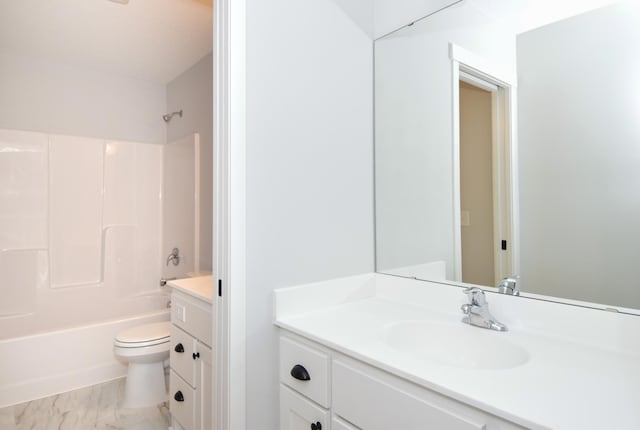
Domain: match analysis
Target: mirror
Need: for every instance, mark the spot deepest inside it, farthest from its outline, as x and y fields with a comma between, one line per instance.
x=507, y=142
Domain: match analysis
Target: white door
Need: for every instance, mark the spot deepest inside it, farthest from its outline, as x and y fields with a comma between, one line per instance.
x=204, y=391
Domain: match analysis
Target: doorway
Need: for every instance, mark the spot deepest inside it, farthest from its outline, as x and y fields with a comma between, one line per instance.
x=483, y=168
x=476, y=185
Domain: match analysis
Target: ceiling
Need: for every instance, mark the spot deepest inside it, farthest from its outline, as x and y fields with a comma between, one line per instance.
x=152, y=40
x=525, y=15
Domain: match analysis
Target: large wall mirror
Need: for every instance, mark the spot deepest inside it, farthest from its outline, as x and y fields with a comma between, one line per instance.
x=507, y=143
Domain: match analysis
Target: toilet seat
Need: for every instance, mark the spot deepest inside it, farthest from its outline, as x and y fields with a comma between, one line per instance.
x=143, y=336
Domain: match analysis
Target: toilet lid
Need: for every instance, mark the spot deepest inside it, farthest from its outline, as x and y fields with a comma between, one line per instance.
x=147, y=334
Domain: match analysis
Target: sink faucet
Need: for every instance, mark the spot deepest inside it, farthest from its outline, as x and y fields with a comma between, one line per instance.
x=477, y=311
x=508, y=286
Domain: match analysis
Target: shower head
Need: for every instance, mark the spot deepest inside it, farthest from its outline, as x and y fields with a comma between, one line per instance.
x=167, y=117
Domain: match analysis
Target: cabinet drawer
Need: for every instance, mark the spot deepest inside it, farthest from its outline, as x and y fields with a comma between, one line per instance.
x=373, y=404
x=317, y=365
x=182, y=411
x=298, y=413
x=192, y=316
x=183, y=362
x=338, y=424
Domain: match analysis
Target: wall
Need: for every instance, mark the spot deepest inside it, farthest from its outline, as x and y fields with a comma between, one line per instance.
x=180, y=196
x=414, y=123
x=42, y=94
x=192, y=92
x=579, y=92
x=309, y=156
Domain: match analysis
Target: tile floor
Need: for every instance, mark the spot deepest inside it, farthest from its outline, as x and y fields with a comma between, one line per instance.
x=95, y=407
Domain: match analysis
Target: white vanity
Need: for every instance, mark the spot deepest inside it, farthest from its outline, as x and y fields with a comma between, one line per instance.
x=191, y=358
x=382, y=352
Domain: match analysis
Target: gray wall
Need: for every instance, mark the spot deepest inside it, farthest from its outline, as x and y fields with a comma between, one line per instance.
x=46, y=95
x=309, y=167
x=579, y=92
x=192, y=92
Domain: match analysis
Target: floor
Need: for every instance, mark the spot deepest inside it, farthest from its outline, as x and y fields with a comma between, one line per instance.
x=96, y=407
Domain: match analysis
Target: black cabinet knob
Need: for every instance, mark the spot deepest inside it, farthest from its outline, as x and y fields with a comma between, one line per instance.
x=179, y=348
x=300, y=373
x=178, y=396
x=316, y=426
x=196, y=355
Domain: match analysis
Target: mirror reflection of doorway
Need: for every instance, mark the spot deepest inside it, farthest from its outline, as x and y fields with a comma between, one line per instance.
x=484, y=213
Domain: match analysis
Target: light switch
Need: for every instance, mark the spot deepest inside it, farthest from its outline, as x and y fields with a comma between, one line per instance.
x=465, y=218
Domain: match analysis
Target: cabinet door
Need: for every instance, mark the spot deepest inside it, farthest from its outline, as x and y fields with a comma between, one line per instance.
x=298, y=413
x=373, y=404
x=204, y=392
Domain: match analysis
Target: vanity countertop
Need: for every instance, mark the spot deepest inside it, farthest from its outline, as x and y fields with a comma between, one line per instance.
x=200, y=287
x=581, y=373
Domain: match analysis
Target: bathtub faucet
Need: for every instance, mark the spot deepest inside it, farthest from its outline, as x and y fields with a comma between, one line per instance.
x=163, y=281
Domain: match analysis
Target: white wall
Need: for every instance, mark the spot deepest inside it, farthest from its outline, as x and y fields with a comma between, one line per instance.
x=309, y=167
x=579, y=98
x=192, y=92
x=414, y=156
x=42, y=94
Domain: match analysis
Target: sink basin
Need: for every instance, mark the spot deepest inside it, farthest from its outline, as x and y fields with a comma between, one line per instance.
x=454, y=345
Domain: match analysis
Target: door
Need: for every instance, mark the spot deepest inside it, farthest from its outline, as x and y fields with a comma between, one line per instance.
x=204, y=396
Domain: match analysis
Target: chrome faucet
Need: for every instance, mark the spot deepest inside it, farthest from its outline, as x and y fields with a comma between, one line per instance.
x=508, y=286
x=477, y=311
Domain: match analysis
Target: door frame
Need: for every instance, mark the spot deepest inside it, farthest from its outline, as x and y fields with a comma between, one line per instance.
x=229, y=205
x=504, y=154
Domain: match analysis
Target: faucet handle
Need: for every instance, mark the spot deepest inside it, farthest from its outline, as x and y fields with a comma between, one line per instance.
x=476, y=296
x=508, y=285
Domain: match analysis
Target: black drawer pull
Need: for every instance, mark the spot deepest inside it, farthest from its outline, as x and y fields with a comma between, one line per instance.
x=316, y=426
x=178, y=396
x=300, y=373
x=179, y=348
x=196, y=355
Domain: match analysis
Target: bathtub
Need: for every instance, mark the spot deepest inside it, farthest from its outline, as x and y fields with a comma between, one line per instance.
x=44, y=363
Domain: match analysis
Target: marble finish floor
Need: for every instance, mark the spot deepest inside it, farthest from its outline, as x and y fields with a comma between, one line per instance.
x=95, y=407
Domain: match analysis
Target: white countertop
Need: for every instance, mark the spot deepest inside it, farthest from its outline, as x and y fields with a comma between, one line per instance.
x=200, y=287
x=566, y=384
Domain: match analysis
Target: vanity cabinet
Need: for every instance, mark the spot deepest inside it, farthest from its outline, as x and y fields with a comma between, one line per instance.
x=191, y=363
x=338, y=392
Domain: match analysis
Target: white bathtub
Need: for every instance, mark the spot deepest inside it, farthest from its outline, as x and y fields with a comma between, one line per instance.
x=47, y=363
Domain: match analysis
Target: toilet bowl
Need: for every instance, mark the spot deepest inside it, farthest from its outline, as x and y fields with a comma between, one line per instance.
x=144, y=348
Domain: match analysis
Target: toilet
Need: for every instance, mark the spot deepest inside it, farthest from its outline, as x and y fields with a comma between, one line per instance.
x=145, y=348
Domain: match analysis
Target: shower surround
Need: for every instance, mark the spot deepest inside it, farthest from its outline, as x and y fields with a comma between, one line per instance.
x=80, y=257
